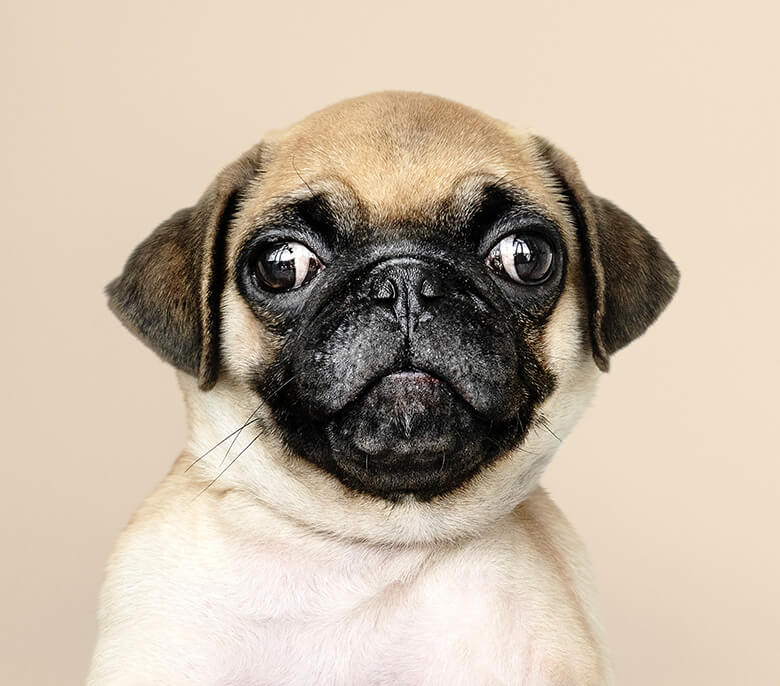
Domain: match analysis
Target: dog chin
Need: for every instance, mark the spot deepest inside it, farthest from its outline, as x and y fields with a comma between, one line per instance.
x=409, y=432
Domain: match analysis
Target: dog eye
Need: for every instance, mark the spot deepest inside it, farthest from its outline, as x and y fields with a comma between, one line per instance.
x=285, y=266
x=525, y=258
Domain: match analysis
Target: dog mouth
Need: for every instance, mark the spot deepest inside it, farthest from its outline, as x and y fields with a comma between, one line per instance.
x=409, y=428
x=414, y=376
x=405, y=384
x=402, y=414
x=408, y=431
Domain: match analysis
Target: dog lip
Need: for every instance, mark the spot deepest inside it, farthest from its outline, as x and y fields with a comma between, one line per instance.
x=407, y=375
x=414, y=375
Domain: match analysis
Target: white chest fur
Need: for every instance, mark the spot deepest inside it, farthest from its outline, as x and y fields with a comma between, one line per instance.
x=195, y=596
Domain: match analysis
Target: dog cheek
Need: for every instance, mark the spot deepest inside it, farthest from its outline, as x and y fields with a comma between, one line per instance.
x=564, y=344
x=246, y=346
x=332, y=366
x=479, y=357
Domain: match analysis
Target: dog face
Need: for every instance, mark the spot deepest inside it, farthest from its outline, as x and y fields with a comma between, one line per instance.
x=407, y=353
x=412, y=292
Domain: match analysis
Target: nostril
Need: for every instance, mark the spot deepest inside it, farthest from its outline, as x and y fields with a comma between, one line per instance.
x=430, y=289
x=384, y=291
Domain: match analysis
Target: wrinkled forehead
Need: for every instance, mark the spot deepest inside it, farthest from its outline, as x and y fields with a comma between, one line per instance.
x=395, y=163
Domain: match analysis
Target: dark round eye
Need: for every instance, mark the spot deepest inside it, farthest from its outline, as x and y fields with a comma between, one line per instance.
x=526, y=258
x=286, y=265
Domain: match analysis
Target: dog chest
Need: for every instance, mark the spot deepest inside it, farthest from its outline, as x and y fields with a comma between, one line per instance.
x=295, y=614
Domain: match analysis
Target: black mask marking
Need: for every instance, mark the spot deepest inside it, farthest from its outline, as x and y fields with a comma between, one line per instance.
x=406, y=365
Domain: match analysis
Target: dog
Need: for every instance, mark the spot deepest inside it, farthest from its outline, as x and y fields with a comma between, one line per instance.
x=384, y=320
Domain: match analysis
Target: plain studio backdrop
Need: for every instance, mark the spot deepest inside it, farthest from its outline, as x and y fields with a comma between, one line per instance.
x=114, y=115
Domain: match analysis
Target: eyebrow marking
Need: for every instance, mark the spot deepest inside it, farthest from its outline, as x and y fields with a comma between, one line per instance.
x=331, y=210
x=317, y=213
x=488, y=205
x=309, y=214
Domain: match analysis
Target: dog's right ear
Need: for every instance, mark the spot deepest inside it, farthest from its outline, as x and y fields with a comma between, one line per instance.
x=168, y=294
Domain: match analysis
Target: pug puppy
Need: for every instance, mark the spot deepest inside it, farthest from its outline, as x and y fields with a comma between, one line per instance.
x=385, y=319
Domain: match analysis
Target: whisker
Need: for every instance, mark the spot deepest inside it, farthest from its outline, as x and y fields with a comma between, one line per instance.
x=546, y=425
x=305, y=183
x=509, y=449
x=518, y=425
x=232, y=462
x=281, y=386
x=246, y=423
x=216, y=445
x=235, y=438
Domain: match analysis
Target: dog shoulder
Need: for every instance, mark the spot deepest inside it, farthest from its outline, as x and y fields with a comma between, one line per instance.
x=152, y=584
x=552, y=556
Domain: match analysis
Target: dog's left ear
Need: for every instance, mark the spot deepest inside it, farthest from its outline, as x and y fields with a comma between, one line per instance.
x=168, y=294
x=629, y=277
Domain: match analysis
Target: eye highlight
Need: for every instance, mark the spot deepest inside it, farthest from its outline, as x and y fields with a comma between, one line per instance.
x=525, y=258
x=286, y=265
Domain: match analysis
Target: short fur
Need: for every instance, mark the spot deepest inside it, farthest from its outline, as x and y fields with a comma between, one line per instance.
x=274, y=556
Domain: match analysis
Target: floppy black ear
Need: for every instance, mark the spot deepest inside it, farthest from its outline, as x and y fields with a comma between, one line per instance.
x=629, y=277
x=168, y=294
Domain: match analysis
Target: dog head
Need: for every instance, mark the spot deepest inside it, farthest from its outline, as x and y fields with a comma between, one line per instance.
x=414, y=297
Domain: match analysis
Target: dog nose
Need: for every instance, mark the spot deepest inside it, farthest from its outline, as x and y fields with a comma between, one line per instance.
x=407, y=287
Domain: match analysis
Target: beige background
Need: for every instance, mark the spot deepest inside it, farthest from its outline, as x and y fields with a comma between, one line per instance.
x=116, y=114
